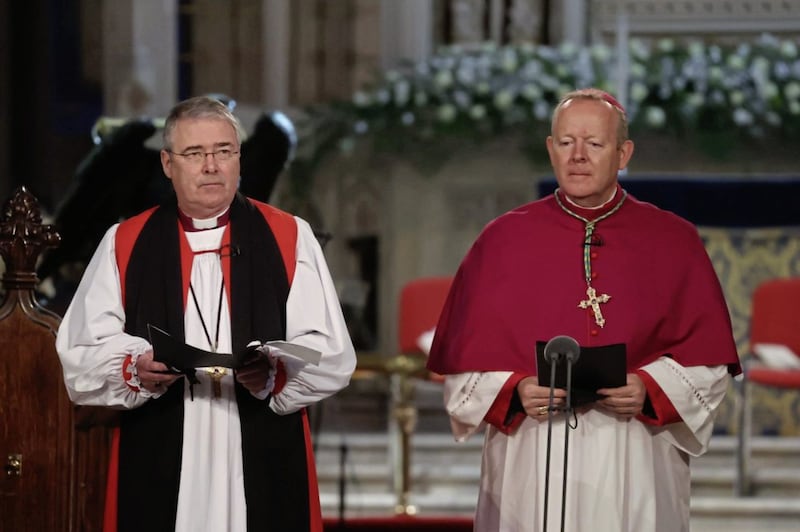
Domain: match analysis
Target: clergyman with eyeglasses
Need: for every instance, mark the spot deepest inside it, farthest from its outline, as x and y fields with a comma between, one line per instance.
x=222, y=448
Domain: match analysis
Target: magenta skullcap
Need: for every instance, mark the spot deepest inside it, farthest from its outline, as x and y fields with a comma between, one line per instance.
x=613, y=101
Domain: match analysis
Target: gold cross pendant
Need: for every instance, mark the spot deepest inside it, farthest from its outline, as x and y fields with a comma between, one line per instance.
x=216, y=373
x=594, y=302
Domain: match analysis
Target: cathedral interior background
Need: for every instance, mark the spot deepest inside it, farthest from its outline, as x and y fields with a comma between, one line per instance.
x=398, y=129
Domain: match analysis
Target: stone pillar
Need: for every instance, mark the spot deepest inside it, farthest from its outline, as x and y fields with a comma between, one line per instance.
x=572, y=16
x=139, y=57
x=406, y=31
x=276, y=72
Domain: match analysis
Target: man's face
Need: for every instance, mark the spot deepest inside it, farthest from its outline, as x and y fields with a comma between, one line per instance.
x=207, y=186
x=583, y=151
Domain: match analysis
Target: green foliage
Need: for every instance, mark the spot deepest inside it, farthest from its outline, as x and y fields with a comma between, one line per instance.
x=715, y=97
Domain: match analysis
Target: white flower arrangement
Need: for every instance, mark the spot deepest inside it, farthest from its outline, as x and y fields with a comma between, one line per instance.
x=753, y=88
x=709, y=94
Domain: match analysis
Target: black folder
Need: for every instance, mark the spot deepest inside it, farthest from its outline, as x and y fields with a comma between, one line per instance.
x=597, y=367
x=183, y=358
x=180, y=357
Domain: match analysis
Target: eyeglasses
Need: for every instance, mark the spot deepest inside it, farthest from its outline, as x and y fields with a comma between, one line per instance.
x=197, y=157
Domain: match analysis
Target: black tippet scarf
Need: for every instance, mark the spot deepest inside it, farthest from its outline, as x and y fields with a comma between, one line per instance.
x=273, y=446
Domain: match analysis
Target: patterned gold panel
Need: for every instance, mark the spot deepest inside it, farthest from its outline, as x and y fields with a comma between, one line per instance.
x=743, y=258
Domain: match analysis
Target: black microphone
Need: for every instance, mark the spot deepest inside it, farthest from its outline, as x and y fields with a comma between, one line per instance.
x=559, y=348
x=595, y=240
x=562, y=347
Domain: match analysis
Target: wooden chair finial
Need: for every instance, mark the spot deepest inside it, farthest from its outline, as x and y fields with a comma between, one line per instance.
x=23, y=238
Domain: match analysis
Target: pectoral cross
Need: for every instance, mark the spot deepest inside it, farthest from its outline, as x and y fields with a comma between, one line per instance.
x=216, y=374
x=594, y=302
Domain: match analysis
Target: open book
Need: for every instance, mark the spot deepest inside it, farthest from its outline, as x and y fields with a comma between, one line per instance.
x=182, y=358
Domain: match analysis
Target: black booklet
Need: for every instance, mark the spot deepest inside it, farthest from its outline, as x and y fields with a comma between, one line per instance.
x=597, y=367
x=183, y=358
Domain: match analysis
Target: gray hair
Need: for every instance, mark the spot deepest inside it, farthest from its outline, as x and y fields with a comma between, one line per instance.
x=599, y=96
x=200, y=107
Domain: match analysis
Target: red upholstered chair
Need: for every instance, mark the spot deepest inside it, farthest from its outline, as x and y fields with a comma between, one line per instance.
x=421, y=302
x=774, y=320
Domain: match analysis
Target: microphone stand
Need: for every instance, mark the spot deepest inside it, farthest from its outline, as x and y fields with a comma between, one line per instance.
x=571, y=358
x=558, y=348
x=342, y=483
x=554, y=359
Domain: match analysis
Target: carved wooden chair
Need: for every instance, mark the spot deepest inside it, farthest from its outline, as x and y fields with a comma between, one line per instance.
x=53, y=476
x=35, y=420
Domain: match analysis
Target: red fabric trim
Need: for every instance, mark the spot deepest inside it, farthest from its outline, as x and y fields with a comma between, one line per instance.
x=284, y=227
x=225, y=260
x=126, y=375
x=112, y=481
x=498, y=412
x=127, y=233
x=186, y=265
x=314, y=506
x=280, y=378
x=664, y=409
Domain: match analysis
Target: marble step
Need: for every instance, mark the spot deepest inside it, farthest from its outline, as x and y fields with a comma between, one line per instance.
x=436, y=456
x=445, y=477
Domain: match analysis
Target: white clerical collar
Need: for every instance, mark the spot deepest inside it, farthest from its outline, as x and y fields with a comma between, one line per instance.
x=606, y=202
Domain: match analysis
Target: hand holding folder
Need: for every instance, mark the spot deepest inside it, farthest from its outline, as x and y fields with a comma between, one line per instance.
x=596, y=367
x=180, y=357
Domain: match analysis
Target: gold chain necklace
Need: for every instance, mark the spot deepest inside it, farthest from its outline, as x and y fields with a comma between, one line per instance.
x=593, y=300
